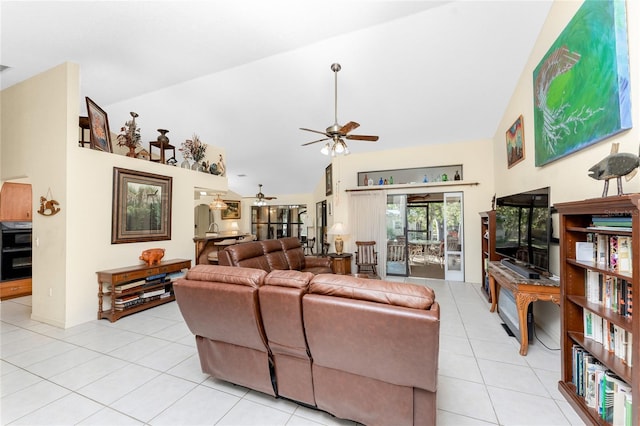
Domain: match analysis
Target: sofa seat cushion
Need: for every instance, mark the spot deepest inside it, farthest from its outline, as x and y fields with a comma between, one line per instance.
x=390, y=293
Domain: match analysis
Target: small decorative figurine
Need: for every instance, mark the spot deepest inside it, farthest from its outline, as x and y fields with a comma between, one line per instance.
x=615, y=165
x=152, y=256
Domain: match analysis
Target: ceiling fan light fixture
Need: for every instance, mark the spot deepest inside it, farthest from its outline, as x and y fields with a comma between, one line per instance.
x=338, y=147
x=325, y=149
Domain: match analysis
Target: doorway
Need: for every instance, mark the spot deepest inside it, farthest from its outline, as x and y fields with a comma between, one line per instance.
x=424, y=236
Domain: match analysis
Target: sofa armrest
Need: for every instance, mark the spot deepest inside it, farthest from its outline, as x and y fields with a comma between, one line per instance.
x=313, y=261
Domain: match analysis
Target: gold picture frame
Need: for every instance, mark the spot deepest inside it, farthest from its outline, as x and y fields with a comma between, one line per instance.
x=232, y=211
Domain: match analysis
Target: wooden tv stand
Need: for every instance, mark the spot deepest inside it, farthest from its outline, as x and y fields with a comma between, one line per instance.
x=525, y=291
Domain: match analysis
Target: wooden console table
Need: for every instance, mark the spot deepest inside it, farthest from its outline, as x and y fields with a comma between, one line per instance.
x=525, y=291
x=112, y=278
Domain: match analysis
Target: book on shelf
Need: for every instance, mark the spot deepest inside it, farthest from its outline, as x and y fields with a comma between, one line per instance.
x=609, y=291
x=612, y=221
x=585, y=251
x=160, y=276
x=152, y=293
x=122, y=287
x=612, y=337
x=601, y=389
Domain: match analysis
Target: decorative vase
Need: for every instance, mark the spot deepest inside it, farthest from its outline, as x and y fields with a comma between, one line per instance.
x=132, y=152
x=163, y=139
x=185, y=164
x=195, y=166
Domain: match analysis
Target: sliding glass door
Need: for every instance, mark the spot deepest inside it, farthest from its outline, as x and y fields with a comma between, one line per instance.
x=397, y=260
x=453, y=237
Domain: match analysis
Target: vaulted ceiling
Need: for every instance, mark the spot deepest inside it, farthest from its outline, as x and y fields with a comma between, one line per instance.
x=245, y=75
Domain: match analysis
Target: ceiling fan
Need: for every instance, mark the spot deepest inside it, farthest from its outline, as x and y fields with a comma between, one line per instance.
x=336, y=132
x=261, y=199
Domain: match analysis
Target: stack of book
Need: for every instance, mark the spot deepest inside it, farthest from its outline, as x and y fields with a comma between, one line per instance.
x=142, y=291
x=601, y=389
x=609, y=222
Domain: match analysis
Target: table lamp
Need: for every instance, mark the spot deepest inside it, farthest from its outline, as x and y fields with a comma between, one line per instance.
x=338, y=229
x=234, y=228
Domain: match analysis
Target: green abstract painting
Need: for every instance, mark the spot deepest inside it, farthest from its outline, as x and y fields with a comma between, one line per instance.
x=581, y=86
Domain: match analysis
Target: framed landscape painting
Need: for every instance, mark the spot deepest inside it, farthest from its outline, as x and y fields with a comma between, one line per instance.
x=581, y=86
x=232, y=211
x=141, y=207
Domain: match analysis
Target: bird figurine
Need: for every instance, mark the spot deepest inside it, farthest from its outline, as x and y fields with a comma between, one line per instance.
x=615, y=165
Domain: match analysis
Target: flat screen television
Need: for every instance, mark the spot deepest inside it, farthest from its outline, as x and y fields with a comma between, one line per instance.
x=523, y=228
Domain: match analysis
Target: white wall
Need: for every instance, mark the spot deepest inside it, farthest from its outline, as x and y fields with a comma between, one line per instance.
x=40, y=146
x=567, y=176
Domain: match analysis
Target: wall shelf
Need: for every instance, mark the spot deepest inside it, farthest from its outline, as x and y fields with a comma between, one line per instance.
x=413, y=185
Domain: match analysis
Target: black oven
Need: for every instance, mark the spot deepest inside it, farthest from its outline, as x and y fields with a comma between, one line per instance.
x=15, y=250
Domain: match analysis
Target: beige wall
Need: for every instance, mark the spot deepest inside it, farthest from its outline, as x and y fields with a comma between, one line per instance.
x=567, y=176
x=476, y=158
x=40, y=144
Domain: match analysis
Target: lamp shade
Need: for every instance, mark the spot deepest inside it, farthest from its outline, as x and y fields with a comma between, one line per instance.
x=338, y=228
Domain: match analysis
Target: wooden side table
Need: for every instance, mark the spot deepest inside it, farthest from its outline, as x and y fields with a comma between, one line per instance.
x=340, y=263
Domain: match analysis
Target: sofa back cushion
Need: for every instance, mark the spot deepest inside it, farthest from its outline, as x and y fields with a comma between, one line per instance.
x=371, y=332
x=387, y=292
x=275, y=256
x=281, y=307
x=294, y=252
x=221, y=304
x=248, y=255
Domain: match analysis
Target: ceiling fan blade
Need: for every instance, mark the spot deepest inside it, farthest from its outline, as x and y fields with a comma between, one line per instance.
x=314, y=131
x=319, y=140
x=270, y=198
x=362, y=138
x=349, y=127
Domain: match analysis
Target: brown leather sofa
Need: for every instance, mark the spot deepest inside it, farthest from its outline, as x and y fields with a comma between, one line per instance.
x=270, y=255
x=360, y=349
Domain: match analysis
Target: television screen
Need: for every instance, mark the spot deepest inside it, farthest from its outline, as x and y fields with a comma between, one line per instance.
x=523, y=228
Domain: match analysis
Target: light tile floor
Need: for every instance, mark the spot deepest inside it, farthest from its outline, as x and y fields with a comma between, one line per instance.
x=143, y=369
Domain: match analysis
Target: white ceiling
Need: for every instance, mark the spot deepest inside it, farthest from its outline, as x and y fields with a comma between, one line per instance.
x=246, y=74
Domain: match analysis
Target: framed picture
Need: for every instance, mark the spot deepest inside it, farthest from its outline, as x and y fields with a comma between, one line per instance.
x=141, y=207
x=515, y=142
x=99, y=134
x=328, y=180
x=232, y=211
x=581, y=86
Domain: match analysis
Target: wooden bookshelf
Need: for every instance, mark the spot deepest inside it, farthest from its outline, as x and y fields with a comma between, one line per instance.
x=488, y=238
x=575, y=226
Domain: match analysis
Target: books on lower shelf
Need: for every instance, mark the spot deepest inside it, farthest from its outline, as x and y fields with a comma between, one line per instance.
x=612, y=337
x=601, y=389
